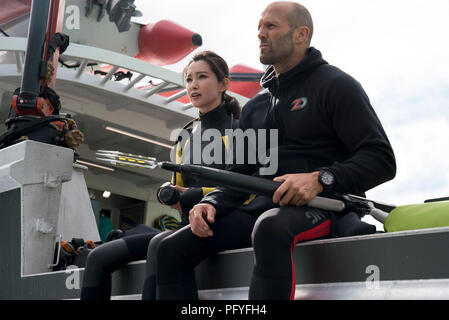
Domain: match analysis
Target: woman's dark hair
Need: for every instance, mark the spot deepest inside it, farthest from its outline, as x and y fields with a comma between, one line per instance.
x=221, y=70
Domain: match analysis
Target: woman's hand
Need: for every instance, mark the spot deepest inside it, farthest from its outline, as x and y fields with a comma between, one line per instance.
x=177, y=205
x=199, y=217
x=180, y=189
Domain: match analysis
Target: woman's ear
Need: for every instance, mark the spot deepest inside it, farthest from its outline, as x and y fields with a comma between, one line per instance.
x=224, y=85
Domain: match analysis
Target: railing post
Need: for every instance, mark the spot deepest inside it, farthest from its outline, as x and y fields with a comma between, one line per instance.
x=176, y=96
x=157, y=89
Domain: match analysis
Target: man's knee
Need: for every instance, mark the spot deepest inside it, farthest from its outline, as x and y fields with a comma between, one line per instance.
x=268, y=227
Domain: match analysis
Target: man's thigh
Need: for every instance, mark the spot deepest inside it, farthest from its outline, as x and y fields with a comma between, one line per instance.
x=295, y=223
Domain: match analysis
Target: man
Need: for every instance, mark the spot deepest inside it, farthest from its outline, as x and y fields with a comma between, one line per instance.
x=330, y=140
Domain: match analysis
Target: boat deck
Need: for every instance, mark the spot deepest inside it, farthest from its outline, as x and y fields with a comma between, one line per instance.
x=401, y=265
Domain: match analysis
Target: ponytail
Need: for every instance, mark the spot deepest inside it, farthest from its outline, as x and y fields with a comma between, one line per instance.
x=232, y=105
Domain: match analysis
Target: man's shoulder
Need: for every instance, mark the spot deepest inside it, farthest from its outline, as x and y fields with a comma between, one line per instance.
x=329, y=74
x=261, y=99
x=255, y=108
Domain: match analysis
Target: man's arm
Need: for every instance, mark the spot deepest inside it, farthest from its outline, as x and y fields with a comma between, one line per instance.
x=371, y=161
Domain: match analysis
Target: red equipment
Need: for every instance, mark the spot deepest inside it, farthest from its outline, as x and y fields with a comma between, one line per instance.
x=38, y=76
x=166, y=42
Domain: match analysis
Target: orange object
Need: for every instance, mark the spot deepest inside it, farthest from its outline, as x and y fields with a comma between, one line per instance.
x=66, y=246
x=90, y=244
x=245, y=88
x=40, y=107
x=166, y=42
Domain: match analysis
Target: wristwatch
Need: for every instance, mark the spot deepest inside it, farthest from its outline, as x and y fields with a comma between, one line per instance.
x=327, y=179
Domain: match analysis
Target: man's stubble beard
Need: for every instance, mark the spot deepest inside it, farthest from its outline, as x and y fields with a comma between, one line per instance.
x=281, y=52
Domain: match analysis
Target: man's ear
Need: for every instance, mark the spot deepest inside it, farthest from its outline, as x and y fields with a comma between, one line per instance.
x=301, y=34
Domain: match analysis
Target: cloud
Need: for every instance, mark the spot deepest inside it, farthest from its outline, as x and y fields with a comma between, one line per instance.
x=422, y=159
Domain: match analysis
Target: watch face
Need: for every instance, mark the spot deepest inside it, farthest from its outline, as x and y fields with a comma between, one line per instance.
x=327, y=178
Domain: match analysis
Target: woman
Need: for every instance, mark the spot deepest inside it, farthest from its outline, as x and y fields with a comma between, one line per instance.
x=207, y=79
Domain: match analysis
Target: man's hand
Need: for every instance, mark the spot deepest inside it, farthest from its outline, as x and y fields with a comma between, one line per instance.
x=297, y=189
x=199, y=216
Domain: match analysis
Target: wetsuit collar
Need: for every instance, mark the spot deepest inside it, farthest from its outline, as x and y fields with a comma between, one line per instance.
x=215, y=116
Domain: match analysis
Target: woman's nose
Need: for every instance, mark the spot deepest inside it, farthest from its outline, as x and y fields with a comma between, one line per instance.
x=194, y=84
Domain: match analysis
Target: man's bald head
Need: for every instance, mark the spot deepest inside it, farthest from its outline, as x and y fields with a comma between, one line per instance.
x=296, y=14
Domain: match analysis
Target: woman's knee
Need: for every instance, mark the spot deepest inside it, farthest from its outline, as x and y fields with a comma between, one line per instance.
x=168, y=249
x=154, y=244
x=151, y=264
x=107, y=255
x=96, y=258
x=179, y=249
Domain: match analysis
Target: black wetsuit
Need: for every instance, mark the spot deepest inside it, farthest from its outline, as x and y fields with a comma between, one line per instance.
x=111, y=256
x=325, y=120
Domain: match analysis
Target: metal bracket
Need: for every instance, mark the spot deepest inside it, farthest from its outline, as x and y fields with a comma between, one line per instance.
x=51, y=265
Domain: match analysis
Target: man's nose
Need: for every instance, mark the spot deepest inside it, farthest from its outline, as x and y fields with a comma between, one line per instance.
x=261, y=34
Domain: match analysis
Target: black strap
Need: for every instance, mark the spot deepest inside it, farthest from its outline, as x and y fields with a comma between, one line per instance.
x=12, y=135
x=50, y=94
x=59, y=40
x=47, y=93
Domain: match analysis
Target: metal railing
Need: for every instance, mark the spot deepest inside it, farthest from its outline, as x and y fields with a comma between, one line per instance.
x=86, y=55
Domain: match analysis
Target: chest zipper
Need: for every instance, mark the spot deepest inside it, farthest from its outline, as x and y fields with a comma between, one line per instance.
x=275, y=109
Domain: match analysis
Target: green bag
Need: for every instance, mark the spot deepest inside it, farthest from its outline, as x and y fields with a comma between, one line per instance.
x=418, y=216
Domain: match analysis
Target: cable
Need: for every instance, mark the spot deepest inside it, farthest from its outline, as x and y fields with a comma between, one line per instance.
x=5, y=34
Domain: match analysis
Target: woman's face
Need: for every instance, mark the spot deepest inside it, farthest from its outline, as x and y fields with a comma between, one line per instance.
x=203, y=88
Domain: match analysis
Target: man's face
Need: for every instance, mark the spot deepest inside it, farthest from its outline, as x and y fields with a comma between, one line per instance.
x=275, y=36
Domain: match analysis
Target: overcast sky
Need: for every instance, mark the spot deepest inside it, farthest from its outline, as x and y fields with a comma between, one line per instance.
x=398, y=50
